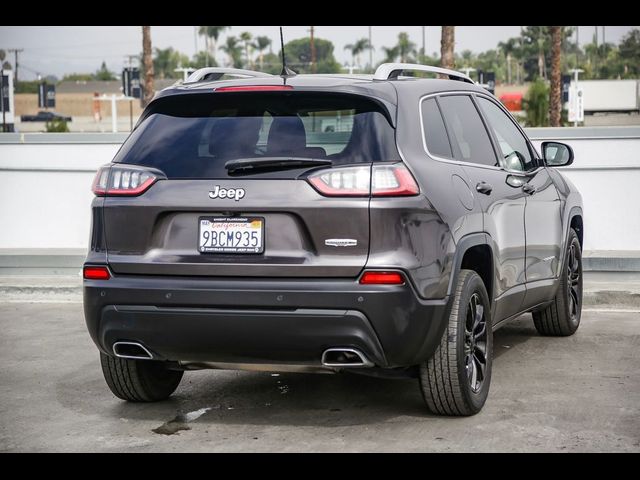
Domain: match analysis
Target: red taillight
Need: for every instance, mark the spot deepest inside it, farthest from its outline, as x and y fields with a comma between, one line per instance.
x=388, y=181
x=254, y=88
x=123, y=180
x=382, y=278
x=96, y=273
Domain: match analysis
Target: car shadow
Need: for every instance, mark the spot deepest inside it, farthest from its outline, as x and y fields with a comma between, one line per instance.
x=256, y=398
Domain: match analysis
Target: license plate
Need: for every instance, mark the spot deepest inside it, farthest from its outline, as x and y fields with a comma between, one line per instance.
x=231, y=235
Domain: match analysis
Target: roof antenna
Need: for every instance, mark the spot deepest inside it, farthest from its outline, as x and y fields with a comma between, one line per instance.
x=286, y=71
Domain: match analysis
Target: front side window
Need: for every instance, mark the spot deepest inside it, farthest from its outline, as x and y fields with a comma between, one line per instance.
x=516, y=155
x=469, y=139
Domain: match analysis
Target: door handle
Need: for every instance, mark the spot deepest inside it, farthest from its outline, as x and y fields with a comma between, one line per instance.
x=528, y=189
x=484, y=188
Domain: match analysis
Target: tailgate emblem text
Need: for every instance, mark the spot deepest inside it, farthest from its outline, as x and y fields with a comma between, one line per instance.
x=341, y=242
x=235, y=193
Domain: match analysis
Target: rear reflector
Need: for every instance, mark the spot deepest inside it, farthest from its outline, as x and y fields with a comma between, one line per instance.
x=388, y=181
x=382, y=278
x=124, y=180
x=254, y=88
x=96, y=273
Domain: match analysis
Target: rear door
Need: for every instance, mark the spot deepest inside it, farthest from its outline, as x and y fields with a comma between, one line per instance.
x=297, y=231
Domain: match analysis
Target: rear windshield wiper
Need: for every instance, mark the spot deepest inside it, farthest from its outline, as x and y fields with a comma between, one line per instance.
x=249, y=165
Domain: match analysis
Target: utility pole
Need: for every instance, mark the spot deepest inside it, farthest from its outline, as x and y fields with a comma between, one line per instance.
x=195, y=39
x=313, y=51
x=577, y=45
x=604, y=40
x=15, y=51
x=370, y=51
x=424, y=42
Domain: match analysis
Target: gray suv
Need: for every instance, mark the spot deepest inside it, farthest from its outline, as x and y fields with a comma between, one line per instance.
x=383, y=225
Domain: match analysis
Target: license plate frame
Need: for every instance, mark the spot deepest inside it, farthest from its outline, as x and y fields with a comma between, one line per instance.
x=230, y=221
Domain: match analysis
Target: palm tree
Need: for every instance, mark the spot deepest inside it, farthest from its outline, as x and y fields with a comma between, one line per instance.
x=447, y=43
x=233, y=50
x=261, y=44
x=147, y=61
x=390, y=54
x=509, y=48
x=555, y=104
x=405, y=47
x=246, y=38
x=357, y=48
x=211, y=35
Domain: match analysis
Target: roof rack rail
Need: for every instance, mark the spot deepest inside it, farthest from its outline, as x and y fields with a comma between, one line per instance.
x=390, y=71
x=211, y=74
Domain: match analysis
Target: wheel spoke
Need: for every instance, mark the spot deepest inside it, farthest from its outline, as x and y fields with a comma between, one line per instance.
x=574, y=300
x=479, y=335
x=481, y=366
x=479, y=316
x=474, y=374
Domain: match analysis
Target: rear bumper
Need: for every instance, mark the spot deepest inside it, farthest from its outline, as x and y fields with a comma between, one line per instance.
x=263, y=321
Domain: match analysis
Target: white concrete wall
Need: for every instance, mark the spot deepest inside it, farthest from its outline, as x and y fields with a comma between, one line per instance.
x=45, y=185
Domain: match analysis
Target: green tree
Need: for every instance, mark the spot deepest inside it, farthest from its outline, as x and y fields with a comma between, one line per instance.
x=261, y=44
x=390, y=54
x=78, y=77
x=166, y=60
x=233, y=50
x=245, y=37
x=272, y=63
x=358, y=48
x=629, y=52
x=203, y=59
x=298, y=54
x=406, y=48
x=536, y=104
x=103, y=73
x=211, y=35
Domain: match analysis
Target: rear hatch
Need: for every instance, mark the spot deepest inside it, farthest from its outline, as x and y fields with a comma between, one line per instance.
x=247, y=183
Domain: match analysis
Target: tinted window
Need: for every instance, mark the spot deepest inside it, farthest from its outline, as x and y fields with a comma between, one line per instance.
x=193, y=136
x=434, y=130
x=513, y=145
x=469, y=138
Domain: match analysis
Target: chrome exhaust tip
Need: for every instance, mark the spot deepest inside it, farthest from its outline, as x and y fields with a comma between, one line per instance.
x=345, y=357
x=131, y=351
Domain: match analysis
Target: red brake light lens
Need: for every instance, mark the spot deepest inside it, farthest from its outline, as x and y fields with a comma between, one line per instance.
x=96, y=273
x=254, y=88
x=123, y=180
x=382, y=278
x=388, y=181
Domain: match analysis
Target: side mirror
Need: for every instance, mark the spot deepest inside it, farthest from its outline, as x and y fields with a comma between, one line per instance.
x=557, y=154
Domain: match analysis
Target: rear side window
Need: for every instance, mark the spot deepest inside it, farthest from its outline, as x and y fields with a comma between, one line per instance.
x=469, y=138
x=435, y=133
x=193, y=136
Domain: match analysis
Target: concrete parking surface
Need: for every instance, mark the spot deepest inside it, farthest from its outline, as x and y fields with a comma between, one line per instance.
x=548, y=394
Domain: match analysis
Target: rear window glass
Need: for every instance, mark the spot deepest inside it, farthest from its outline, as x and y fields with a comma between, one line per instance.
x=193, y=136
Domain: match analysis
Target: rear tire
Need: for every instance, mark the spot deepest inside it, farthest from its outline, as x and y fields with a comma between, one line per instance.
x=562, y=317
x=456, y=380
x=139, y=380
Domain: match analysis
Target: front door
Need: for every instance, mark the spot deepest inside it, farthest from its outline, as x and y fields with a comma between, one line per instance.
x=503, y=205
x=543, y=222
